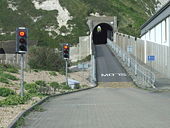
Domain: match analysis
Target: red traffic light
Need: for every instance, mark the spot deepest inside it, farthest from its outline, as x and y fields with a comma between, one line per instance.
x=22, y=33
x=66, y=47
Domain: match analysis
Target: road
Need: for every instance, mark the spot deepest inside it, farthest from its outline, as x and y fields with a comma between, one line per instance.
x=108, y=67
x=105, y=107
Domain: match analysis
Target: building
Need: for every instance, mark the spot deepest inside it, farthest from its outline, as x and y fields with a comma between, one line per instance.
x=157, y=28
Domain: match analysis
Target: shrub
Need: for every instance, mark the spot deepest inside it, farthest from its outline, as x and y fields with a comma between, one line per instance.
x=41, y=83
x=53, y=73
x=4, y=80
x=45, y=58
x=77, y=86
x=6, y=92
x=66, y=87
x=15, y=100
x=55, y=85
x=9, y=76
x=32, y=88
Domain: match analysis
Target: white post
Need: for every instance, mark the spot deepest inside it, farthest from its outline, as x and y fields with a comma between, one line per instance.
x=90, y=43
x=145, y=50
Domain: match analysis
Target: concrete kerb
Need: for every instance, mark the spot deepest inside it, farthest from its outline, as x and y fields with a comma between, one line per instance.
x=24, y=113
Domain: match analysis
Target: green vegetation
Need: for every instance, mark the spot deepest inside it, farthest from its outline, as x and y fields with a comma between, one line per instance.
x=53, y=73
x=20, y=122
x=65, y=87
x=131, y=15
x=6, y=92
x=32, y=88
x=8, y=68
x=8, y=76
x=15, y=100
x=4, y=80
x=55, y=85
x=41, y=83
x=5, y=77
x=45, y=59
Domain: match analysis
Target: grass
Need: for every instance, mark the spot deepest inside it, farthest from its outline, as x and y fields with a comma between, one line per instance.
x=6, y=92
x=5, y=77
x=52, y=73
x=4, y=80
x=8, y=76
x=8, y=68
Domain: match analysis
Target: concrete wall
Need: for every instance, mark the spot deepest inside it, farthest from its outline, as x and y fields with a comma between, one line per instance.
x=82, y=50
x=13, y=59
x=141, y=49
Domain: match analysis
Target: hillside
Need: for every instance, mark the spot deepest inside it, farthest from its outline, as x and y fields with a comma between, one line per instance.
x=52, y=22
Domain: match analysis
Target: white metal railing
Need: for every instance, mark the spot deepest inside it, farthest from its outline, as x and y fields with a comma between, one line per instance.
x=143, y=76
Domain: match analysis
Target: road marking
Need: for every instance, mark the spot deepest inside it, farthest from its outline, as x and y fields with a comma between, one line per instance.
x=113, y=74
x=106, y=75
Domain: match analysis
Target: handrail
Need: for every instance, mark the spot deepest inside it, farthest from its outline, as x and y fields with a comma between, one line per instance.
x=139, y=73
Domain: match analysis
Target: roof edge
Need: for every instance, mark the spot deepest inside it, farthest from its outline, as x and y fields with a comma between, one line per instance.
x=155, y=15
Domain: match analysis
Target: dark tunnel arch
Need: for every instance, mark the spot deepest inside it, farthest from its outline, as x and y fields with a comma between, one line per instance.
x=2, y=51
x=100, y=36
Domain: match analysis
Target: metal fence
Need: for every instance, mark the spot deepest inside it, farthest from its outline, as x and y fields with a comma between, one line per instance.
x=141, y=49
x=141, y=75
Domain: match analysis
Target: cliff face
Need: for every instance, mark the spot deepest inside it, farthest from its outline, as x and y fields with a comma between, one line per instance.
x=52, y=22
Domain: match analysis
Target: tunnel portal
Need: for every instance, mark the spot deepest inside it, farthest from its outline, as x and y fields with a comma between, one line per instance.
x=101, y=32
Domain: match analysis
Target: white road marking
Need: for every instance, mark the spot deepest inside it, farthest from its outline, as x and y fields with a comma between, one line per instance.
x=113, y=74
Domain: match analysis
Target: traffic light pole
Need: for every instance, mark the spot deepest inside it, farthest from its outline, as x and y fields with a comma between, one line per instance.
x=66, y=71
x=22, y=76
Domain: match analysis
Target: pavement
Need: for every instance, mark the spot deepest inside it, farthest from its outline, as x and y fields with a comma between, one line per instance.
x=108, y=67
x=162, y=83
x=104, y=108
x=116, y=103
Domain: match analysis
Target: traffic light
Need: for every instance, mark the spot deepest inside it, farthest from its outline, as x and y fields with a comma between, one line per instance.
x=66, y=49
x=21, y=40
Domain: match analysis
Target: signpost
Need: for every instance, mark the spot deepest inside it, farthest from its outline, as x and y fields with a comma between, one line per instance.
x=130, y=49
x=21, y=48
x=66, y=55
x=151, y=59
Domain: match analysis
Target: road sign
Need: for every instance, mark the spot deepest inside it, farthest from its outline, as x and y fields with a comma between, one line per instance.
x=130, y=49
x=151, y=58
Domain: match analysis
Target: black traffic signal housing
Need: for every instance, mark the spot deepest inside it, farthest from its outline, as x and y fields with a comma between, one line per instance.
x=66, y=50
x=21, y=40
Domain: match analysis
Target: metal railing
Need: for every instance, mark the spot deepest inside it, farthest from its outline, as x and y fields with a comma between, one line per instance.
x=141, y=75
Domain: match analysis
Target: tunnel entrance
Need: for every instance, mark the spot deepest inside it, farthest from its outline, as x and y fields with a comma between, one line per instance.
x=101, y=32
x=2, y=51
